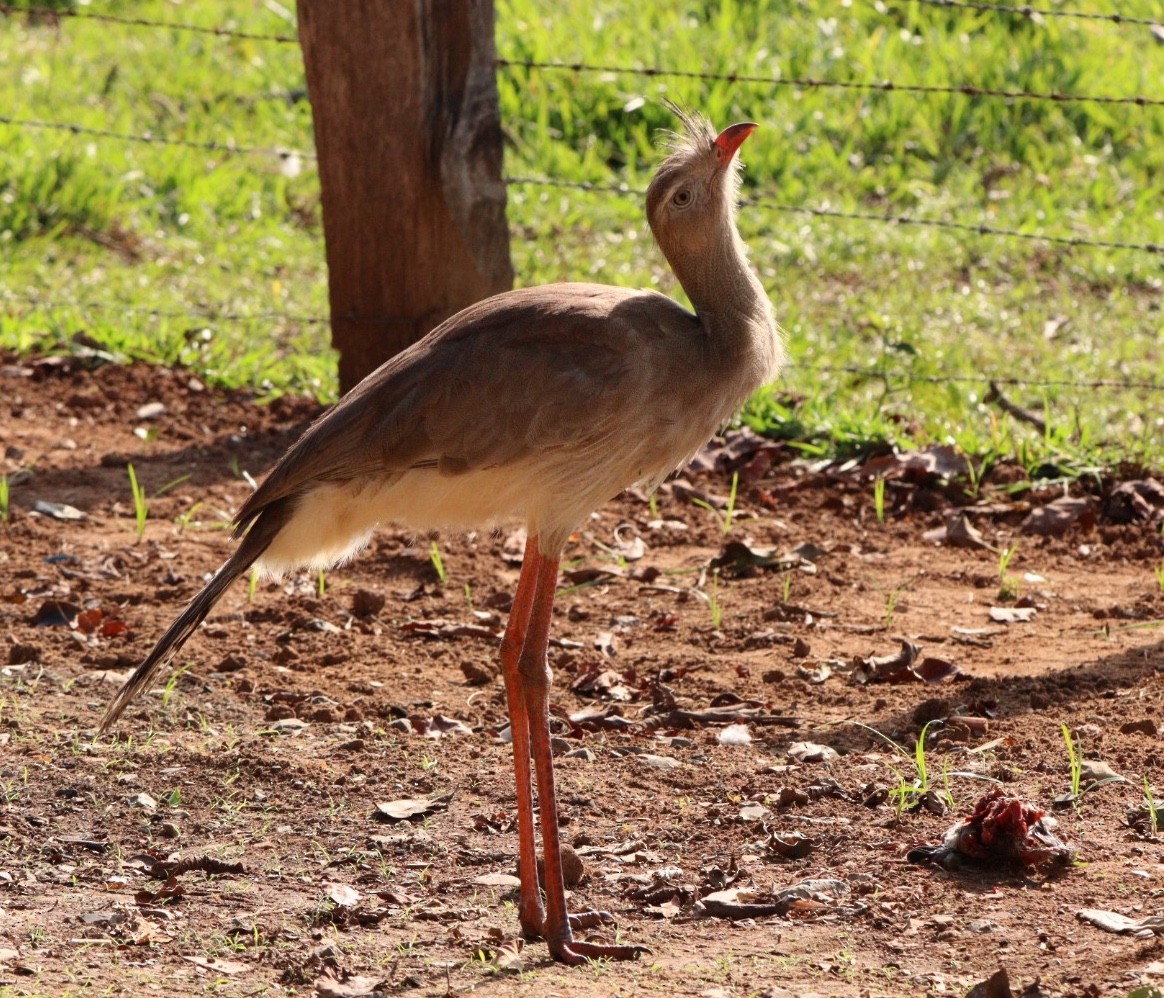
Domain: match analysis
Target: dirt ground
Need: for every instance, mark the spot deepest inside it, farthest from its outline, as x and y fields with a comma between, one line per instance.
x=230, y=838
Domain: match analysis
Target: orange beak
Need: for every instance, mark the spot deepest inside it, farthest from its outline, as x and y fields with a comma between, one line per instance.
x=731, y=138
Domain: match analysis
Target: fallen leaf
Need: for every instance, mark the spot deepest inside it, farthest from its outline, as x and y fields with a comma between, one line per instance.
x=58, y=510
x=218, y=965
x=440, y=726
x=997, y=985
x=55, y=613
x=596, y=681
x=1057, y=517
x=790, y=845
x=498, y=880
x=344, y=896
x=349, y=987
x=737, y=558
x=450, y=629
x=668, y=909
x=1113, y=921
x=509, y=955
x=935, y=461
x=957, y=532
x=903, y=667
x=410, y=807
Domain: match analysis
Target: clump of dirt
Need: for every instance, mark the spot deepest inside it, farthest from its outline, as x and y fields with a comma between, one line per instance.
x=749, y=737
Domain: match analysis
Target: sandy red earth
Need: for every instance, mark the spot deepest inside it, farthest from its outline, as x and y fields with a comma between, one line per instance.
x=322, y=801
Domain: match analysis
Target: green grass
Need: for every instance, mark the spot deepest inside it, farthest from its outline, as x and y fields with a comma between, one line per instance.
x=1074, y=761
x=163, y=252
x=141, y=506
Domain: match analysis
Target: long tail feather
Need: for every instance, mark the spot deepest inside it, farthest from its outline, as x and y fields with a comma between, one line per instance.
x=266, y=525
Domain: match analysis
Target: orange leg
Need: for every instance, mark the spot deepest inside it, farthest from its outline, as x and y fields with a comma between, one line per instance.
x=535, y=680
x=530, y=910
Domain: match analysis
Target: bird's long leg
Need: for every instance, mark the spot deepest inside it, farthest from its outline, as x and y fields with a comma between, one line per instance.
x=530, y=910
x=535, y=678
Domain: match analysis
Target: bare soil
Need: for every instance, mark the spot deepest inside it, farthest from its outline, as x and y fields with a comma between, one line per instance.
x=304, y=706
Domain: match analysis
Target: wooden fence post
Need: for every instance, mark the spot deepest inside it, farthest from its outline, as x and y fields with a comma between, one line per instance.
x=408, y=134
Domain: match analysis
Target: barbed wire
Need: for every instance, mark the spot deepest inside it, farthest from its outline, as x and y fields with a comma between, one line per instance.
x=769, y=201
x=196, y=315
x=884, y=86
x=193, y=312
x=883, y=374
x=1027, y=11
x=1024, y=10
x=143, y=22
x=807, y=82
x=105, y=133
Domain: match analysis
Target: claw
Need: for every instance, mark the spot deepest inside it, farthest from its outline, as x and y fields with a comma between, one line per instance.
x=591, y=919
x=574, y=952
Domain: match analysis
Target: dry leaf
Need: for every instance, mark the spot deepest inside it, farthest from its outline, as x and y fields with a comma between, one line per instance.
x=344, y=896
x=1058, y=517
x=218, y=965
x=411, y=807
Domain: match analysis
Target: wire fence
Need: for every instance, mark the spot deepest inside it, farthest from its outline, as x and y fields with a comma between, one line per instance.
x=194, y=314
x=1026, y=10
x=768, y=200
x=808, y=82
x=86, y=14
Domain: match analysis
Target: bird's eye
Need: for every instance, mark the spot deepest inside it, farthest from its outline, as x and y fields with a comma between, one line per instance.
x=681, y=198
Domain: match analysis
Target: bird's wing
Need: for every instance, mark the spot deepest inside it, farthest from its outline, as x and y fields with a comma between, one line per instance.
x=525, y=371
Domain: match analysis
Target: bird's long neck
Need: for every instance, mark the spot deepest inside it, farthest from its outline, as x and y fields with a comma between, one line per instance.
x=729, y=299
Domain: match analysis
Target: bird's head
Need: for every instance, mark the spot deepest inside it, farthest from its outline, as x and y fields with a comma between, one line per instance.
x=691, y=199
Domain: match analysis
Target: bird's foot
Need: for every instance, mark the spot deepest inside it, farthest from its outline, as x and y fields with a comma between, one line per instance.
x=573, y=951
x=590, y=919
x=533, y=924
x=533, y=921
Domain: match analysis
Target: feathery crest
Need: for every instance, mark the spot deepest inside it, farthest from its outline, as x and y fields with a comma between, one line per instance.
x=697, y=135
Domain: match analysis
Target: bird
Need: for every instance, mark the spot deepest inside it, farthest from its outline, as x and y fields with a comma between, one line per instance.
x=542, y=402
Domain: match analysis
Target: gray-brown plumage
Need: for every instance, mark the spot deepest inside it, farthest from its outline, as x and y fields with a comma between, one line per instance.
x=541, y=403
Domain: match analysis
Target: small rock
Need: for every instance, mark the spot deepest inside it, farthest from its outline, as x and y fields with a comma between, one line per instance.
x=658, y=761
x=1144, y=727
x=232, y=663
x=143, y=800
x=402, y=724
x=290, y=726
x=170, y=830
x=811, y=752
x=366, y=603
x=800, y=648
x=151, y=410
x=560, y=746
x=1093, y=770
x=583, y=753
x=477, y=674
x=20, y=654
x=573, y=869
x=279, y=712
